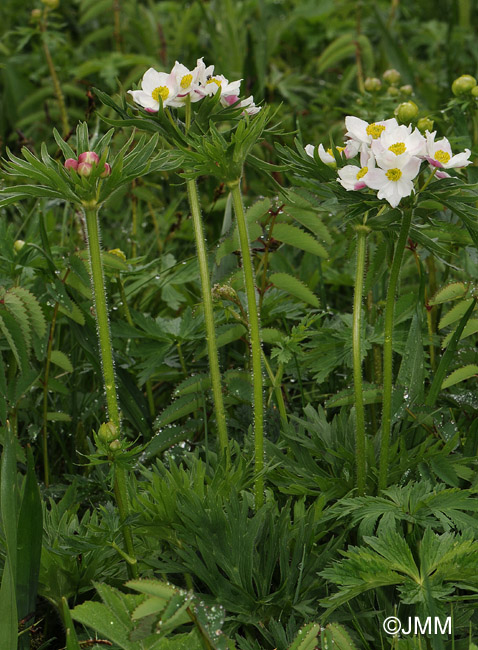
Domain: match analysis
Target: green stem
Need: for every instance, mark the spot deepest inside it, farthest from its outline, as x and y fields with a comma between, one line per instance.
x=101, y=313
x=276, y=381
x=46, y=472
x=56, y=82
x=255, y=338
x=362, y=232
x=387, y=348
x=208, y=316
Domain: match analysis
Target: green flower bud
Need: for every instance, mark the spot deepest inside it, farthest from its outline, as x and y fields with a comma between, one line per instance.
x=425, y=124
x=36, y=15
x=18, y=245
x=108, y=432
x=372, y=84
x=406, y=112
x=406, y=90
x=115, y=445
x=51, y=4
x=474, y=91
x=463, y=85
x=392, y=76
x=392, y=91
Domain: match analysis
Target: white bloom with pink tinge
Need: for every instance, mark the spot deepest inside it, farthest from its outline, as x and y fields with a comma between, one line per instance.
x=401, y=141
x=439, y=153
x=394, y=182
x=187, y=82
x=156, y=85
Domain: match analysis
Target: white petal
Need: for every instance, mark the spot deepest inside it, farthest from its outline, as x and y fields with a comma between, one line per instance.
x=325, y=156
x=152, y=79
x=376, y=179
x=459, y=160
x=356, y=128
x=309, y=150
x=143, y=99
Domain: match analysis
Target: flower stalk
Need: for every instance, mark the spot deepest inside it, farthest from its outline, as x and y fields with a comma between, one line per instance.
x=387, y=348
x=255, y=340
x=56, y=82
x=104, y=337
x=362, y=231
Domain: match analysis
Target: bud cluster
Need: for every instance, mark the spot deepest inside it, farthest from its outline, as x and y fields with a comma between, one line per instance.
x=84, y=164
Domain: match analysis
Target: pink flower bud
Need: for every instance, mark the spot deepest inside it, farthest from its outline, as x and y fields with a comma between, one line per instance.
x=84, y=169
x=88, y=157
x=71, y=163
x=106, y=172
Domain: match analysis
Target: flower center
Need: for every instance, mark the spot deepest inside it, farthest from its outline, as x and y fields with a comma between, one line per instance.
x=160, y=91
x=442, y=156
x=362, y=173
x=213, y=81
x=339, y=149
x=186, y=80
x=398, y=148
x=394, y=174
x=375, y=130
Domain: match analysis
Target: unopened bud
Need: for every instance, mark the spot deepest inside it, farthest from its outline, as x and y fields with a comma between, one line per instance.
x=372, y=84
x=118, y=252
x=463, y=85
x=223, y=292
x=71, y=163
x=392, y=76
x=425, y=124
x=106, y=172
x=392, y=91
x=115, y=445
x=51, y=4
x=88, y=157
x=84, y=169
x=406, y=112
x=18, y=245
x=108, y=432
x=36, y=14
x=407, y=89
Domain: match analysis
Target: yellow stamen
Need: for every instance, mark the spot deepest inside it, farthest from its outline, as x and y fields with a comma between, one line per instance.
x=362, y=173
x=394, y=174
x=340, y=149
x=160, y=91
x=186, y=81
x=214, y=81
x=398, y=148
x=442, y=156
x=375, y=130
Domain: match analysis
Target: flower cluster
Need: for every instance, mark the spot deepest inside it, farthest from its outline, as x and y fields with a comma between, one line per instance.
x=181, y=85
x=390, y=157
x=84, y=164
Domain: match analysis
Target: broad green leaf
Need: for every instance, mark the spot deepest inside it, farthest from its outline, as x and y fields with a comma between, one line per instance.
x=71, y=638
x=452, y=291
x=294, y=236
x=295, y=287
x=60, y=359
x=157, y=588
x=461, y=374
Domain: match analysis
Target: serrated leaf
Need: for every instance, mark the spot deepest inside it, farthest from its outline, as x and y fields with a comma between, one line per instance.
x=295, y=287
x=371, y=395
x=16, y=307
x=34, y=310
x=336, y=637
x=60, y=359
x=294, y=236
x=461, y=374
x=311, y=220
x=226, y=335
x=9, y=329
x=452, y=291
x=195, y=384
x=155, y=588
x=56, y=416
x=470, y=328
x=455, y=313
x=306, y=638
x=178, y=409
x=271, y=335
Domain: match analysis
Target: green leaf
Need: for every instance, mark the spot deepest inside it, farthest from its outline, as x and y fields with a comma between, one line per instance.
x=452, y=291
x=336, y=636
x=9, y=329
x=60, y=359
x=306, y=638
x=195, y=384
x=461, y=374
x=295, y=287
x=34, y=309
x=29, y=536
x=178, y=409
x=157, y=588
x=294, y=236
x=8, y=512
x=455, y=313
x=71, y=638
x=225, y=335
x=346, y=397
x=470, y=328
x=58, y=417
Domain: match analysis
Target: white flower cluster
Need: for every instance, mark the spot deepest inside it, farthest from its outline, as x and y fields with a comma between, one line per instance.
x=390, y=157
x=175, y=87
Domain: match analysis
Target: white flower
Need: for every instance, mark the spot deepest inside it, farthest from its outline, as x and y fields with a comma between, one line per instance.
x=209, y=83
x=393, y=183
x=186, y=82
x=400, y=141
x=326, y=156
x=361, y=133
x=353, y=177
x=439, y=154
x=248, y=105
x=155, y=85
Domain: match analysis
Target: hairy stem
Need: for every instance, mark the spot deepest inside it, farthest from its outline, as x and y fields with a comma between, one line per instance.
x=255, y=339
x=106, y=353
x=46, y=471
x=387, y=348
x=362, y=232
